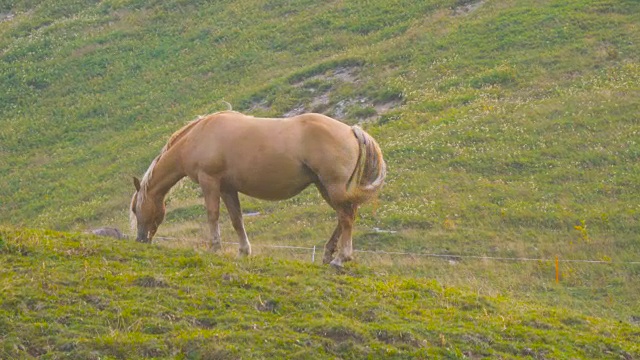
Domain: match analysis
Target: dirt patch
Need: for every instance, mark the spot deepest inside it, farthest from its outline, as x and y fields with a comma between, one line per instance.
x=467, y=7
x=354, y=109
x=267, y=306
x=341, y=109
x=342, y=74
x=150, y=282
x=339, y=334
x=324, y=88
x=347, y=72
x=300, y=109
x=394, y=338
x=261, y=105
x=383, y=108
x=319, y=103
x=7, y=16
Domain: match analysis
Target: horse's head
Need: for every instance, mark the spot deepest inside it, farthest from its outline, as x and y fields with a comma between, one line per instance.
x=146, y=213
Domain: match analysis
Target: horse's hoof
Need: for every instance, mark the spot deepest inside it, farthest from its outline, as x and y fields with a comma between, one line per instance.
x=244, y=252
x=337, y=264
x=216, y=247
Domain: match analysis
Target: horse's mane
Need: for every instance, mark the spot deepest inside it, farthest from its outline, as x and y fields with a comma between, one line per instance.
x=146, y=178
x=144, y=183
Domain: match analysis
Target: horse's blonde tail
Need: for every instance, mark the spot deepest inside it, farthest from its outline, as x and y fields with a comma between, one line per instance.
x=370, y=171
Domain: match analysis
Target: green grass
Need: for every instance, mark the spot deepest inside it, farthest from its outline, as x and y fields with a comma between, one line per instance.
x=510, y=128
x=75, y=296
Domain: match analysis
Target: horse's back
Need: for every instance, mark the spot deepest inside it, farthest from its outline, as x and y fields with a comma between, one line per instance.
x=271, y=158
x=261, y=157
x=296, y=135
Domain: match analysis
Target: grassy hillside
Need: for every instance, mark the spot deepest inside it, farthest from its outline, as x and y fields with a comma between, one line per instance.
x=510, y=127
x=72, y=296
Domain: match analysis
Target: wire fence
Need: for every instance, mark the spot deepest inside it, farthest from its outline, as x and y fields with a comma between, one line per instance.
x=312, y=252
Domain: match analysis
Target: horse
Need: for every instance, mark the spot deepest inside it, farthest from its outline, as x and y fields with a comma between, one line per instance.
x=227, y=153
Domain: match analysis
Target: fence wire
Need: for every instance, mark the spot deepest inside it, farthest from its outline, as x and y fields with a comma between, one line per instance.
x=313, y=251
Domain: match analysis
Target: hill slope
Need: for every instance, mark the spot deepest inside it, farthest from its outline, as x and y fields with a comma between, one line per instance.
x=514, y=100
x=510, y=127
x=68, y=295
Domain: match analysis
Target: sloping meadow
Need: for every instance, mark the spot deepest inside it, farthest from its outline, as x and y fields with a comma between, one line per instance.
x=510, y=129
x=77, y=296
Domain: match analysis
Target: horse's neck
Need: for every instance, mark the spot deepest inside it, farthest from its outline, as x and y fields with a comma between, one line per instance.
x=165, y=174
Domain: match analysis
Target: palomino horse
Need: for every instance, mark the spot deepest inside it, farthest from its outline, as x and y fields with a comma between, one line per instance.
x=271, y=159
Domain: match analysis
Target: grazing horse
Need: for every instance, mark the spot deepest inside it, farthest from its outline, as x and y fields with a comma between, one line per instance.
x=271, y=159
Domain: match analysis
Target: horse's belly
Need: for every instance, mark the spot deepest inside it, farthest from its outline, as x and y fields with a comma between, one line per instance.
x=271, y=182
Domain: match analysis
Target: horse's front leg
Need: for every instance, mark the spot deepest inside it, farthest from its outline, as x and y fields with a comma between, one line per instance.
x=211, y=190
x=232, y=202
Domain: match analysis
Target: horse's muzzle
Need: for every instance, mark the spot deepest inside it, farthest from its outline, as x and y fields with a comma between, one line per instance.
x=142, y=235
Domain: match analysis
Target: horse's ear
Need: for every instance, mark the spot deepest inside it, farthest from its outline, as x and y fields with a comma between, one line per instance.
x=136, y=183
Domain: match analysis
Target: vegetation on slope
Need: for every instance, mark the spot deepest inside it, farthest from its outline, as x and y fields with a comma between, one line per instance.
x=510, y=127
x=75, y=296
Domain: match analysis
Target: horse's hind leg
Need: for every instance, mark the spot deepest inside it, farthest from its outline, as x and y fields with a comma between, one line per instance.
x=340, y=240
x=346, y=218
x=331, y=245
x=232, y=202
